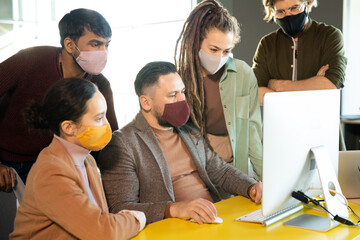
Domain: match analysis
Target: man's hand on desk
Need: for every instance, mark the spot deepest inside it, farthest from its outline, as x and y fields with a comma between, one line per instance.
x=192, y=209
x=255, y=192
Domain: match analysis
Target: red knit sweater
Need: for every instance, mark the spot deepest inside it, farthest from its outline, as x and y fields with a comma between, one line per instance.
x=27, y=76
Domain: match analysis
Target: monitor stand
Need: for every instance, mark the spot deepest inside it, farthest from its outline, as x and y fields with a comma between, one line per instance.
x=334, y=203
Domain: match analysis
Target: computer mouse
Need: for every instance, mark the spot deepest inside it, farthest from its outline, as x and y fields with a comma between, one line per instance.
x=217, y=220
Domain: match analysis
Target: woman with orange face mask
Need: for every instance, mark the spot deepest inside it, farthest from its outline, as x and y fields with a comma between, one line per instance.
x=64, y=197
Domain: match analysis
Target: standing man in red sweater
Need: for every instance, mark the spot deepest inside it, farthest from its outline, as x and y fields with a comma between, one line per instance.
x=27, y=75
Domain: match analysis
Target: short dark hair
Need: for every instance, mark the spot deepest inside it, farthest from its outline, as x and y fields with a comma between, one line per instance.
x=65, y=100
x=74, y=23
x=150, y=73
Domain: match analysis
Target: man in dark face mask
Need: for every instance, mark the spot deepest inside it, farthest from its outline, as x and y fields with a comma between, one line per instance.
x=302, y=55
x=292, y=20
x=160, y=146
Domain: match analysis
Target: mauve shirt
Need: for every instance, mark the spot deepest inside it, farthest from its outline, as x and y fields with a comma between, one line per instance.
x=186, y=181
x=215, y=119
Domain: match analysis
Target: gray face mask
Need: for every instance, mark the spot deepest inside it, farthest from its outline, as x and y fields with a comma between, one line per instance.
x=211, y=63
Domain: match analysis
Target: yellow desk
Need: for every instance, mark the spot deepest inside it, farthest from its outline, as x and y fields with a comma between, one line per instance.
x=355, y=200
x=232, y=208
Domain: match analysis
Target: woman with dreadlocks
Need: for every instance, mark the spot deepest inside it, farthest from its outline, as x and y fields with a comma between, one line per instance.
x=222, y=92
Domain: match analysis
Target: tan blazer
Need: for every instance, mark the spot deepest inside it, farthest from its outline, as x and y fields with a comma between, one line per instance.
x=55, y=205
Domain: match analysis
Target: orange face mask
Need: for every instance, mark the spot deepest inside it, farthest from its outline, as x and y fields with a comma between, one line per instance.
x=95, y=138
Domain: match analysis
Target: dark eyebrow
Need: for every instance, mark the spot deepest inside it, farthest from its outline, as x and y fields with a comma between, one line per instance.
x=214, y=46
x=176, y=91
x=99, y=114
x=97, y=41
x=219, y=48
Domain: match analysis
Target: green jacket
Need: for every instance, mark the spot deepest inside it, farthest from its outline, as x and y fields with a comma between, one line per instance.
x=319, y=44
x=240, y=99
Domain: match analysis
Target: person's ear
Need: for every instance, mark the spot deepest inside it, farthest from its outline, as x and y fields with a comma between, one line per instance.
x=145, y=102
x=68, y=128
x=69, y=45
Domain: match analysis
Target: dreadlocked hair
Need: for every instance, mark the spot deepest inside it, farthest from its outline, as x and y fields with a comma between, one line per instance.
x=207, y=15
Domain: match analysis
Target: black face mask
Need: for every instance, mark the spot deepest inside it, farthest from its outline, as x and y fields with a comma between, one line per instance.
x=293, y=24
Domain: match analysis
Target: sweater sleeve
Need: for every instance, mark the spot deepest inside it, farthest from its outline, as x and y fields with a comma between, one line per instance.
x=222, y=174
x=260, y=67
x=334, y=55
x=11, y=71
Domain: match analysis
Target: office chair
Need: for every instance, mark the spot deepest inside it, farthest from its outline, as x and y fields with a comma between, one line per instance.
x=9, y=204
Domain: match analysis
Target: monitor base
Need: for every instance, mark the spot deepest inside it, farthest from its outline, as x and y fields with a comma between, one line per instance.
x=312, y=222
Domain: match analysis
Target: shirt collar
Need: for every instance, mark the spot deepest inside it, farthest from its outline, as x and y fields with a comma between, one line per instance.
x=77, y=153
x=230, y=65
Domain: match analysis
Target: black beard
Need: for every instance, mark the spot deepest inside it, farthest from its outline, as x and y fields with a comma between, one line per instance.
x=162, y=122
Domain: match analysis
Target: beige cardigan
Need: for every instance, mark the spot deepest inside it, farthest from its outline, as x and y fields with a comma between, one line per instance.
x=55, y=205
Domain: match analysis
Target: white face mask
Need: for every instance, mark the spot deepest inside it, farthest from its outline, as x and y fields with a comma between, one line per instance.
x=211, y=63
x=92, y=62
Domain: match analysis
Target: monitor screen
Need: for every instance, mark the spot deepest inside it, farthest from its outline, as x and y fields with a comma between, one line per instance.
x=294, y=122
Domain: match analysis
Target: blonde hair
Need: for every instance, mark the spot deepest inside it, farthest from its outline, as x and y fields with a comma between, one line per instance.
x=270, y=12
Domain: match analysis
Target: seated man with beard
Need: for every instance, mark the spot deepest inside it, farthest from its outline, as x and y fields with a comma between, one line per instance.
x=160, y=164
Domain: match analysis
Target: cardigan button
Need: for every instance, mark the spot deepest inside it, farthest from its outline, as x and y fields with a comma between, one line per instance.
x=224, y=106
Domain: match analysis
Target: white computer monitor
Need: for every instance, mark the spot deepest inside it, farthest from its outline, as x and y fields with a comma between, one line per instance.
x=293, y=123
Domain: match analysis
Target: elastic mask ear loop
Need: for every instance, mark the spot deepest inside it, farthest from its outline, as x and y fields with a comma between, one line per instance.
x=73, y=54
